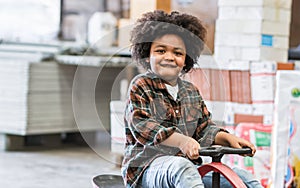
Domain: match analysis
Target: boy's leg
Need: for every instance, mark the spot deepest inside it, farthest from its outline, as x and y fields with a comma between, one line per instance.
x=246, y=176
x=171, y=171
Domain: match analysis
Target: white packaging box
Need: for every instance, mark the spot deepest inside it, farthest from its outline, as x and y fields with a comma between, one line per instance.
x=242, y=108
x=210, y=62
x=221, y=111
x=286, y=4
x=266, y=109
x=268, y=119
x=207, y=62
x=242, y=65
x=124, y=28
x=262, y=87
x=225, y=53
x=262, y=78
x=251, y=40
x=117, y=128
x=297, y=65
x=263, y=67
x=253, y=27
x=263, y=108
x=254, y=13
x=138, y=7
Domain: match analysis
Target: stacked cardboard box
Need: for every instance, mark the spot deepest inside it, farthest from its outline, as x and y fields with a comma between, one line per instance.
x=252, y=36
x=254, y=33
x=253, y=30
x=246, y=90
x=201, y=79
x=36, y=98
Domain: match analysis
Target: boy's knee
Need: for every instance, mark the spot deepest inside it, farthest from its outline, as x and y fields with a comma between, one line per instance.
x=180, y=163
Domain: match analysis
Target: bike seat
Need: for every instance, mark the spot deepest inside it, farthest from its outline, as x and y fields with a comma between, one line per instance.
x=108, y=181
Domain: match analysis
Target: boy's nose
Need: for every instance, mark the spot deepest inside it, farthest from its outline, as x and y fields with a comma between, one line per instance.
x=169, y=56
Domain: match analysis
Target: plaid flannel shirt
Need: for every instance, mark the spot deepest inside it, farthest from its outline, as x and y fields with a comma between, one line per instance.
x=152, y=115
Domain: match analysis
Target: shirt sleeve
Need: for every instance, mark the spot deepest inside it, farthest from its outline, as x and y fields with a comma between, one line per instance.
x=141, y=121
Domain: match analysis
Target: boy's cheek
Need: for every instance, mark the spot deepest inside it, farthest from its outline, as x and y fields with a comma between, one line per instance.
x=181, y=64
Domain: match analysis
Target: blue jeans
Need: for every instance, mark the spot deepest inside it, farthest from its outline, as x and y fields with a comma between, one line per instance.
x=173, y=171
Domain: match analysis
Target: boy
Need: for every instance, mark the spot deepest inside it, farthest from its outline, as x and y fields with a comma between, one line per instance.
x=166, y=120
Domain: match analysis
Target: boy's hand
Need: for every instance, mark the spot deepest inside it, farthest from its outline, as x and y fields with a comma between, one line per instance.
x=227, y=139
x=190, y=147
x=237, y=142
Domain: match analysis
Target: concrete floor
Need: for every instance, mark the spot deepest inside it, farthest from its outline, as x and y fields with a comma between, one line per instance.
x=67, y=166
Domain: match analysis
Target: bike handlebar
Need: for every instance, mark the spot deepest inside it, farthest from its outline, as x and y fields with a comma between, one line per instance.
x=220, y=150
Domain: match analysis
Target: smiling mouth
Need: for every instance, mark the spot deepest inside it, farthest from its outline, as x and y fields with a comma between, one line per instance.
x=168, y=65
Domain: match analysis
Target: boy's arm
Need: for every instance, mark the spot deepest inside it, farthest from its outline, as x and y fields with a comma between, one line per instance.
x=188, y=145
x=139, y=117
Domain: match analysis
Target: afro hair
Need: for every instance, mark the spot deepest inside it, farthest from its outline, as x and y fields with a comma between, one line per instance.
x=153, y=25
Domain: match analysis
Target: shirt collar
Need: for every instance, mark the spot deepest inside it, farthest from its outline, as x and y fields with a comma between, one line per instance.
x=161, y=84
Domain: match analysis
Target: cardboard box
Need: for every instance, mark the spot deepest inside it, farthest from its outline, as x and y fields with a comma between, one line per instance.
x=262, y=87
x=234, y=86
x=124, y=28
x=226, y=54
x=251, y=40
x=138, y=7
x=266, y=109
x=263, y=79
x=221, y=111
x=253, y=27
x=297, y=65
x=240, y=86
x=245, y=87
x=263, y=108
x=285, y=4
x=268, y=67
x=247, y=118
x=207, y=62
x=285, y=66
x=242, y=108
x=220, y=85
x=265, y=53
x=255, y=13
x=242, y=65
x=201, y=79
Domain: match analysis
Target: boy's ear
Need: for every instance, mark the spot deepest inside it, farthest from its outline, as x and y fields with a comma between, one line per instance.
x=147, y=60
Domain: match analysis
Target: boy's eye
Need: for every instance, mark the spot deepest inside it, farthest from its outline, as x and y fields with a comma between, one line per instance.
x=178, y=53
x=160, y=51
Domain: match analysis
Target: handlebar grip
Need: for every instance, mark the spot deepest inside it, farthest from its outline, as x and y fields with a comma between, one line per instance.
x=220, y=150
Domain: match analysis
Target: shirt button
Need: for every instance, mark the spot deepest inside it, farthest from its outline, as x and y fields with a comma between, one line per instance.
x=176, y=111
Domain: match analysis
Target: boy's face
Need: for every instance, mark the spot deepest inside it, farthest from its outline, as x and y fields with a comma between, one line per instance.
x=167, y=57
